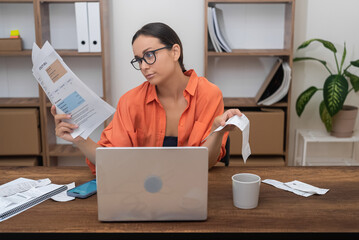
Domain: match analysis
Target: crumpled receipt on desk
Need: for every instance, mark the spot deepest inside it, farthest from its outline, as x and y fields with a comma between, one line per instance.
x=297, y=187
x=243, y=124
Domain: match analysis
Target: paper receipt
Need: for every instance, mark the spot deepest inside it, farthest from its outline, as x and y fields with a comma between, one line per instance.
x=297, y=187
x=243, y=124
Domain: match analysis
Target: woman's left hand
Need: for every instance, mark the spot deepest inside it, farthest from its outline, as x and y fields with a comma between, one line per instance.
x=221, y=120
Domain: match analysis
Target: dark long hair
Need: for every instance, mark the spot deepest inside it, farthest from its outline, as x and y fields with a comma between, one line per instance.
x=164, y=33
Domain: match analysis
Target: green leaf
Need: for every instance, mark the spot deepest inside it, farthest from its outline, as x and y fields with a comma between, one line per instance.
x=334, y=92
x=303, y=99
x=309, y=58
x=325, y=43
x=354, y=79
x=343, y=57
x=314, y=59
x=325, y=116
x=355, y=63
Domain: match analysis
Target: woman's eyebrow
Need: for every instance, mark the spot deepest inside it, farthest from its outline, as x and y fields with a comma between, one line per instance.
x=143, y=52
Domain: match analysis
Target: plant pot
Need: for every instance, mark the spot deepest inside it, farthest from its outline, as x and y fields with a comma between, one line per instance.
x=344, y=121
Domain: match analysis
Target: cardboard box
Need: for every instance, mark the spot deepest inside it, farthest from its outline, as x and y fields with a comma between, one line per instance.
x=18, y=162
x=257, y=161
x=10, y=44
x=266, y=133
x=19, y=131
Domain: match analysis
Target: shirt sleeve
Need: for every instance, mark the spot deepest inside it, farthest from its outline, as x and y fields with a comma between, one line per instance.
x=118, y=132
x=210, y=105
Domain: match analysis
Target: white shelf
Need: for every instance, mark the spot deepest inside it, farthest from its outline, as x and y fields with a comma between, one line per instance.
x=324, y=161
x=320, y=136
x=306, y=137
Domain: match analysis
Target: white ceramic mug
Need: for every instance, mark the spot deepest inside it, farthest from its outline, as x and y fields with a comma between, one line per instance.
x=245, y=190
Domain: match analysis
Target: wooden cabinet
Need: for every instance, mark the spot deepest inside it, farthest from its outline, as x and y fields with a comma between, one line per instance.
x=53, y=21
x=259, y=32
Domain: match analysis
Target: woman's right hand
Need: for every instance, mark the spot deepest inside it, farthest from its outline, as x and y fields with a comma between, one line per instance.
x=63, y=129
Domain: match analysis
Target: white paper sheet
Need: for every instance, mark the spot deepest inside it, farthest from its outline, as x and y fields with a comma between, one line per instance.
x=301, y=186
x=67, y=92
x=4, y=202
x=20, y=201
x=243, y=124
x=297, y=187
x=282, y=186
x=21, y=185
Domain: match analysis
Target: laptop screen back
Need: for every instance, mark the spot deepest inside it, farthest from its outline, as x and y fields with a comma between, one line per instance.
x=152, y=184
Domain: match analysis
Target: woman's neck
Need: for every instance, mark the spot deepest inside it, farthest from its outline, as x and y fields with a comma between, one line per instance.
x=173, y=87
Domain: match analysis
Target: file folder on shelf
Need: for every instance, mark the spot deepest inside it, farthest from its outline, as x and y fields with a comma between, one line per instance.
x=279, y=88
x=82, y=27
x=211, y=31
x=217, y=16
x=94, y=26
x=267, y=81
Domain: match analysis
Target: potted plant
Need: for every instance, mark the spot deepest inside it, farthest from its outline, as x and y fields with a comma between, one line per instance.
x=335, y=90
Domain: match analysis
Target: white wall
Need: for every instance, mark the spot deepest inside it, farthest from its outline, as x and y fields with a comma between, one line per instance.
x=12, y=83
x=186, y=17
x=331, y=20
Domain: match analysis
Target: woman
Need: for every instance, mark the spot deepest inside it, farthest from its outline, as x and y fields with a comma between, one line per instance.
x=174, y=107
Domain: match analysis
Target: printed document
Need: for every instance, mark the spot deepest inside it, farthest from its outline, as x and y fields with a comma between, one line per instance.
x=23, y=193
x=67, y=92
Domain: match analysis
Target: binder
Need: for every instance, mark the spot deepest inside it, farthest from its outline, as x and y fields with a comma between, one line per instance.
x=93, y=9
x=217, y=16
x=280, y=86
x=211, y=30
x=82, y=27
x=47, y=192
x=267, y=81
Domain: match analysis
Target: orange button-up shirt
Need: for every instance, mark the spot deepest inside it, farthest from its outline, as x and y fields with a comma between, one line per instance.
x=140, y=119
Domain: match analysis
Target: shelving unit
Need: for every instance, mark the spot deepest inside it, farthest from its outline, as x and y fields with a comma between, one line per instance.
x=246, y=59
x=50, y=148
x=19, y=102
x=305, y=139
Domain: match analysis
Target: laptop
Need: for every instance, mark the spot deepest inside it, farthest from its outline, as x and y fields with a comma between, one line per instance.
x=152, y=183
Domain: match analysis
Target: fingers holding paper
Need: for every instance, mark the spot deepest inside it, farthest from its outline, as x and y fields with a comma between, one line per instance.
x=63, y=129
x=220, y=121
x=228, y=121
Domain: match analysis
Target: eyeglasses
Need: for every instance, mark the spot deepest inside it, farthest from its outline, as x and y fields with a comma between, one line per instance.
x=149, y=57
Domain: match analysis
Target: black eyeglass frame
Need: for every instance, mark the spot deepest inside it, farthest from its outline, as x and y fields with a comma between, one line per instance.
x=133, y=61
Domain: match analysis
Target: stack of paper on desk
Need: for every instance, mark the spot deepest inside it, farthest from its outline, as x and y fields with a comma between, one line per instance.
x=65, y=90
x=22, y=193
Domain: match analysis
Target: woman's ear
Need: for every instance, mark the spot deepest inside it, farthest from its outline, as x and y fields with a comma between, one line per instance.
x=176, y=49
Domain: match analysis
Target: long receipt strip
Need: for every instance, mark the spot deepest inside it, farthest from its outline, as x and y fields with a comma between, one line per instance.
x=297, y=187
x=243, y=124
x=65, y=90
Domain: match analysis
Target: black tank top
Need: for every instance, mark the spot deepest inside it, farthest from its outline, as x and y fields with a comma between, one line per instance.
x=170, y=141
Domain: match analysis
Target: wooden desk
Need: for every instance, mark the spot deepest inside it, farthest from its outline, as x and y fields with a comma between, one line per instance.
x=279, y=212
